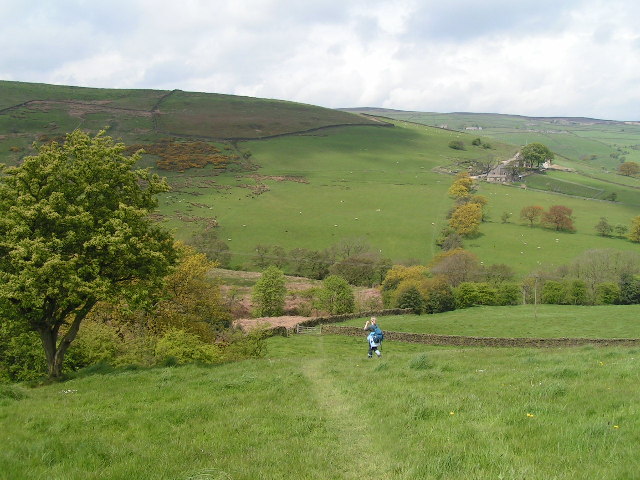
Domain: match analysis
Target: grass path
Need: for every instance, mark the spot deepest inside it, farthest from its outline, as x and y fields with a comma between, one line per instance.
x=352, y=440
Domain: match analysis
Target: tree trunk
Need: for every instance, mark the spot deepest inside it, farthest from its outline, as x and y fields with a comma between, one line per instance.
x=55, y=351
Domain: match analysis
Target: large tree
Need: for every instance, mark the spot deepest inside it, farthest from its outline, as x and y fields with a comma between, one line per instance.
x=558, y=217
x=531, y=213
x=466, y=219
x=535, y=154
x=74, y=230
x=630, y=169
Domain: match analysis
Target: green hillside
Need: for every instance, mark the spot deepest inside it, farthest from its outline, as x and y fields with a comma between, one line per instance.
x=269, y=172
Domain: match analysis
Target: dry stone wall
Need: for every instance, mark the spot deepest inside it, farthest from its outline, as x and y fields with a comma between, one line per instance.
x=455, y=340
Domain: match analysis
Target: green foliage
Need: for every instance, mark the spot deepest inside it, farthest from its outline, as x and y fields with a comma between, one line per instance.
x=629, y=289
x=75, y=229
x=565, y=292
x=468, y=294
x=603, y=228
x=182, y=347
x=336, y=296
x=508, y=294
x=577, y=293
x=634, y=231
x=607, y=293
x=21, y=357
x=535, y=154
x=269, y=293
x=410, y=297
x=554, y=292
x=190, y=299
x=456, y=144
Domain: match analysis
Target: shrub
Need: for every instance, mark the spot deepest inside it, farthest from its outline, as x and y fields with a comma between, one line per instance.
x=577, y=293
x=607, y=293
x=336, y=296
x=554, y=292
x=96, y=343
x=466, y=295
x=456, y=144
x=269, y=293
x=508, y=294
x=411, y=298
x=182, y=347
x=21, y=355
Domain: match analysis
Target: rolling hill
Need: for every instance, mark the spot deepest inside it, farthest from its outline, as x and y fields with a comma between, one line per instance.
x=269, y=172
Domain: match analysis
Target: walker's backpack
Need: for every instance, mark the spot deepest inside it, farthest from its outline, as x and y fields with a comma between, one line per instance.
x=378, y=335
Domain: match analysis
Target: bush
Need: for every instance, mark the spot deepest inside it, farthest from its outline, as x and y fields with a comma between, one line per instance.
x=456, y=144
x=182, y=347
x=21, y=354
x=607, y=293
x=336, y=296
x=554, y=292
x=411, y=298
x=269, y=293
x=508, y=294
x=466, y=295
x=96, y=343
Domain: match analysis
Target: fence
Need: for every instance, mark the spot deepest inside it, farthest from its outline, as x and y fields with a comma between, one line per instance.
x=316, y=330
x=455, y=340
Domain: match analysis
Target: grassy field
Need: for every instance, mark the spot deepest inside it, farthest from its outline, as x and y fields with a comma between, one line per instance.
x=317, y=408
x=587, y=142
x=529, y=321
x=379, y=184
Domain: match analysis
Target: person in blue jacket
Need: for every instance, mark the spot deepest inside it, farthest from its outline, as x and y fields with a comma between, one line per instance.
x=374, y=338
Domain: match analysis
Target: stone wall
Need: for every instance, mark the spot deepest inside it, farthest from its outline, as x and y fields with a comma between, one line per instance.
x=455, y=340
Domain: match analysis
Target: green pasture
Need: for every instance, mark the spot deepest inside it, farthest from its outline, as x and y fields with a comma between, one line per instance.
x=316, y=408
x=574, y=140
x=528, y=321
x=379, y=184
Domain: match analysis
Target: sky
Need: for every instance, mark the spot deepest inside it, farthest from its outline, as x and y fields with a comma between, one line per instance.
x=536, y=58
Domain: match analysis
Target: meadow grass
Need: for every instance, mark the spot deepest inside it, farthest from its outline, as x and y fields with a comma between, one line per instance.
x=317, y=408
x=539, y=321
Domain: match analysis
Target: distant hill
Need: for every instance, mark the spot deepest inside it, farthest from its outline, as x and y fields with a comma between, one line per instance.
x=37, y=112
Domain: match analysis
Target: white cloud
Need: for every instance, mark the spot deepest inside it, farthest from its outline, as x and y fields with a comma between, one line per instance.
x=542, y=57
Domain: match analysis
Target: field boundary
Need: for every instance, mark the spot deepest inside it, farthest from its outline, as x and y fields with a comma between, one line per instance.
x=463, y=341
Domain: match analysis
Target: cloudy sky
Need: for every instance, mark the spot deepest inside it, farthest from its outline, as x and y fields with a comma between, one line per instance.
x=538, y=57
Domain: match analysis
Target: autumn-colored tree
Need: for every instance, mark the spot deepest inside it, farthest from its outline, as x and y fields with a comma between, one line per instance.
x=558, y=217
x=191, y=301
x=398, y=273
x=461, y=186
x=466, y=219
x=630, y=169
x=531, y=213
x=634, y=231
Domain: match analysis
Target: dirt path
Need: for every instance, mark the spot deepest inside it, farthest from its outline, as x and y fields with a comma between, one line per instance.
x=352, y=442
